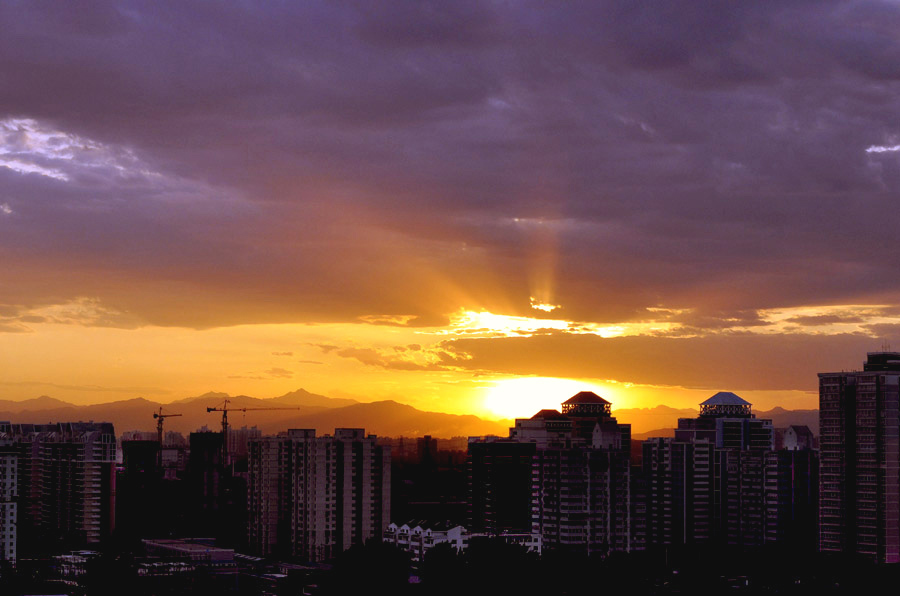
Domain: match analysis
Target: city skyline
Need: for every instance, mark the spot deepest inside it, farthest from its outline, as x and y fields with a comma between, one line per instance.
x=469, y=208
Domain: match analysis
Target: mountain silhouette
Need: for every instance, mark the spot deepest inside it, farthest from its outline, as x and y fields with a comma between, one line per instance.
x=303, y=409
x=297, y=409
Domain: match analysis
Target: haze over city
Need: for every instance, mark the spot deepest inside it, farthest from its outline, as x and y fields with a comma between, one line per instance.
x=468, y=207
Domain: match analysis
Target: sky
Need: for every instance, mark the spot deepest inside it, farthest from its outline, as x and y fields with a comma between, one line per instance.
x=470, y=207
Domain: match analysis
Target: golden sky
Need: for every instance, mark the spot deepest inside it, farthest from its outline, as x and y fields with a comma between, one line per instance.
x=493, y=365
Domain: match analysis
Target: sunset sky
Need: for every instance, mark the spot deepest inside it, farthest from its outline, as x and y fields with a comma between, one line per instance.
x=470, y=207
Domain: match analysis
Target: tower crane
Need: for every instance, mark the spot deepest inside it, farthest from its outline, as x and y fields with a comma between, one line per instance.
x=225, y=409
x=159, y=432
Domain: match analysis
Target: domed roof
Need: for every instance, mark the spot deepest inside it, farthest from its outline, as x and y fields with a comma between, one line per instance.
x=586, y=397
x=725, y=398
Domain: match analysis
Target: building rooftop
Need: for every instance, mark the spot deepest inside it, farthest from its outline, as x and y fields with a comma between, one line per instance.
x=802, y=430
x=876, y=361
x=549, y=415
x=725, y=398
x=586, y=397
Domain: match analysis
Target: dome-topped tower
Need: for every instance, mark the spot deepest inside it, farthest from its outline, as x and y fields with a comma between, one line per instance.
x=725, y=403
x=586, y=403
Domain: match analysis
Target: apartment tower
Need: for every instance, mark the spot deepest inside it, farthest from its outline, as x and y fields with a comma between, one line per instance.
x=314, y=497
x=859, y=479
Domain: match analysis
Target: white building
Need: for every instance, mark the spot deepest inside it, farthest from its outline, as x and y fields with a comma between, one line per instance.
x=419, y=537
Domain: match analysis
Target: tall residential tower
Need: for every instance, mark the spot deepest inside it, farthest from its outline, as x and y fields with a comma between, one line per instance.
x=859, y=419
x=314, y=497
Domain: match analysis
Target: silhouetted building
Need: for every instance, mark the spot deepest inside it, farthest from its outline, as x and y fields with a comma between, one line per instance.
x=859, y=446
x=314, y=497
x=578, y=485
x=429, y=484
x=793, y=505
x=581, y=478
x=66, y=483
x=138, y=490
x=238, y=442
x=709, y=484
x=426, y=450
x=500, y=482
x=205, y=480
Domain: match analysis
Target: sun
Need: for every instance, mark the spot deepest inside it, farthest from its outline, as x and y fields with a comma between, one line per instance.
x=522, y=397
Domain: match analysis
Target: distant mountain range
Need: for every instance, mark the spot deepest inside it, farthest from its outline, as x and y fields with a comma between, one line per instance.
x=297, y=409
x=302, y=409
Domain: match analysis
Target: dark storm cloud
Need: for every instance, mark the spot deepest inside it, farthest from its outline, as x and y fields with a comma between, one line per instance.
x=284, y=162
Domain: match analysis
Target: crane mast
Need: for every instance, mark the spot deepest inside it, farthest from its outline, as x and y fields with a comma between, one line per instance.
x=159, y=433
x=225, y=409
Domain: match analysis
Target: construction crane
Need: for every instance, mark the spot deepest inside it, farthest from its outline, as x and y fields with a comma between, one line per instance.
x=225, y=409
x=159, y=432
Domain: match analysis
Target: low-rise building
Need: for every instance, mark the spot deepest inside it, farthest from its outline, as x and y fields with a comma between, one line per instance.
x=417, y=537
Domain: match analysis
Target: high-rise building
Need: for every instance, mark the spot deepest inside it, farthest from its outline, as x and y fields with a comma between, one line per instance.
x=567, y=471
x=859, y=447
x=270, y=493
x=793, y=498
x=708, y=484
x=499, y=485
x=8, y=506
x=679, y=491
x=138, y=494
x=217, y=496
x=66, y=482
x=314, y=497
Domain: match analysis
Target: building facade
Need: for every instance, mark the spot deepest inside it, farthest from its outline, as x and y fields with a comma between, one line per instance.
x=568, y=473
x=65, y=477
x=859, y=446
x=499, y=485
x=314, y=497
x=9, y=491
x=419, y=537
x=710, y=484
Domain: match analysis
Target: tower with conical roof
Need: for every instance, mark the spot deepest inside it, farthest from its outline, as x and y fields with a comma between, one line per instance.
x=578, y=477
x=708, y=484
x=727, y=421
x=725, y=404
x=580, y=497
x=587, y=403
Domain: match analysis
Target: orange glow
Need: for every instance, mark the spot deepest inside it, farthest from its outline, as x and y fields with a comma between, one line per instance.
x=523, y=397
x=85, y=352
